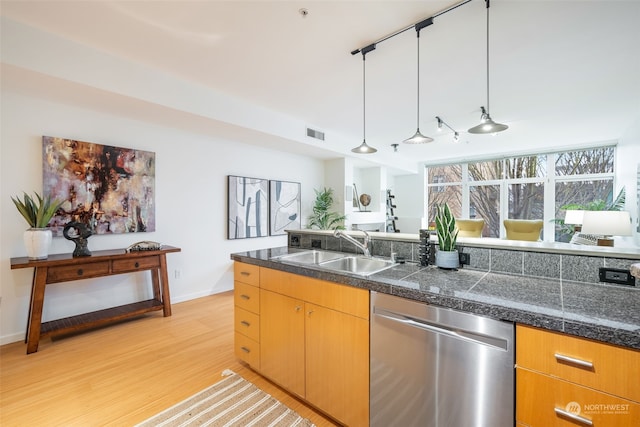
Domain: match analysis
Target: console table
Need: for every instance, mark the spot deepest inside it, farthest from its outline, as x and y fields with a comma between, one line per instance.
x=64, y=268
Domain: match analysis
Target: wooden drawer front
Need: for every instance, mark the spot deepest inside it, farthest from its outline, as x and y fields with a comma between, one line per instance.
x=145, y=263
x=247, y=297
x=540, y=399
x=246, y=273
x=247, y=323
x=76, y=272
x=343, y=298
x=614, y=369
x=247, y=350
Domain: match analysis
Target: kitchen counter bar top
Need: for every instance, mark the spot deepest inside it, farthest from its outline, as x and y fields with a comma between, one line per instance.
x=602, y=312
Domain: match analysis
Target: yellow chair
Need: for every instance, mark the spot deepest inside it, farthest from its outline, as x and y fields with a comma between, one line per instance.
x=470, y=227
x=523, y=229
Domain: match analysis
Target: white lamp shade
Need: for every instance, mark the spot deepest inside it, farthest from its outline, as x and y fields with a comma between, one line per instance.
x=574, y=217
x=606, y=223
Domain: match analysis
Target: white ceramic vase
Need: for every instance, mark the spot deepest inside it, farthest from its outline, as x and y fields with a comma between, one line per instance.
x=447, y=259
x=37, y=241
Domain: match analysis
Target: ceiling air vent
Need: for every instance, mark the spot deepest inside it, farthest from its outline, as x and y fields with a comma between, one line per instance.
x=312, y=133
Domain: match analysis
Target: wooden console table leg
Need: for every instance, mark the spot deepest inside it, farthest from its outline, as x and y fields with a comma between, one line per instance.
x=35, y=310
x=164, y=278
x=33, y=287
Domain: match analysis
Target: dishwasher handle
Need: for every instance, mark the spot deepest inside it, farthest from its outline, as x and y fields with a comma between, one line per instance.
x=438, y=328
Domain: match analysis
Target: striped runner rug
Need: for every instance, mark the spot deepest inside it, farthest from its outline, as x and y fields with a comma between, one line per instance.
x=233, y=401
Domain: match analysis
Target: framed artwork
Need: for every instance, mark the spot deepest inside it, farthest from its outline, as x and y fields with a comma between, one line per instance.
x=111, y=189
x=284, y=206
x=247, y=207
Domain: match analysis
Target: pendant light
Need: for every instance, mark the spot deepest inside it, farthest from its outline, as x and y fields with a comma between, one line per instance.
x=487, y=125
x=364, y=148
x=419, y=138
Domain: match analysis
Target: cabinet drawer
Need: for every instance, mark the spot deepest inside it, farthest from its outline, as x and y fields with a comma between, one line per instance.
x=145, y=263
x=541, y=401
x=247, y=350
x=247, y=297
x=246, y=273
x=247, y=323
x=593, y=364
x=76, y=272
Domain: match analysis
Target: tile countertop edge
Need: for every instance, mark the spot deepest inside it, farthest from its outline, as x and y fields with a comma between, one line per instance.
x=606, y=334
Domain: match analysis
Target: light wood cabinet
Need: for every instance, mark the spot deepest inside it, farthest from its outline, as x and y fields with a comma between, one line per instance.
x=564, y=380
x=247, y=313
x=314, y=340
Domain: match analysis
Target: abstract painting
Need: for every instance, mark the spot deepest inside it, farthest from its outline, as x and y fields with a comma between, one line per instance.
x=111, y=189
x=247, y=207
x=284, y=206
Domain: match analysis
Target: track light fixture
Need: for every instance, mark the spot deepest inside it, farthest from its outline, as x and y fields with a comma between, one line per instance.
x=419, y=138
x=487, y=125
x=395, y=147
x=456, y=135
x=364, y=148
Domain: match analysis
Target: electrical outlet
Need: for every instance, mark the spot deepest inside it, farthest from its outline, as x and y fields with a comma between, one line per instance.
x=294, y=240
x=465, y=259
x=177, y=273
x=617, y=276
x=315, y=243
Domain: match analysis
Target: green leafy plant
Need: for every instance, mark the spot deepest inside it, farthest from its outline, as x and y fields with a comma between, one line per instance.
x=37, y=211
x=446, y=229
x=322, y=218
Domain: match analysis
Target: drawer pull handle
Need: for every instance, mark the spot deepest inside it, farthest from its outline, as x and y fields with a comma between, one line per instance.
x=245, y=296
x=137, y=264
x=574, y=417
x=80, y=272
x=245, y=273
x=245, y=349
x=574, y=361
x=245, y=323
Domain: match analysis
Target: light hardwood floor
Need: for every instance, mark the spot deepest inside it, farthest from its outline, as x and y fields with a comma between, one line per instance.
x=122, y=374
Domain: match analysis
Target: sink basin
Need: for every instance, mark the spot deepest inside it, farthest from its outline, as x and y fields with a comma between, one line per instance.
x=310, y=257
x=358, y=265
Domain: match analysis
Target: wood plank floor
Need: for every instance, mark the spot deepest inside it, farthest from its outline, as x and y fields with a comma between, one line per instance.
x=122, y=374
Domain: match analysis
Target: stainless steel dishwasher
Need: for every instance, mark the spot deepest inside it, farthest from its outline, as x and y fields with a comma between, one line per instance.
x=437, y=367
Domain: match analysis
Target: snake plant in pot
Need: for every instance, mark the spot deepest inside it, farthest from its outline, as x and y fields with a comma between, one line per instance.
x=37, y=212
x=447, y=254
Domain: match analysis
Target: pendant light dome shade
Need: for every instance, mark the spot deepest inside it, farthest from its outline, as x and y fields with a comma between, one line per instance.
x=487, y=125
x=364, y=148
x=419, y=138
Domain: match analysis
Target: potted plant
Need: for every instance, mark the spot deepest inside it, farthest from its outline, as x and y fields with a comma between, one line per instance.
x=322, y=218
x=37, y=212
x=447, y=254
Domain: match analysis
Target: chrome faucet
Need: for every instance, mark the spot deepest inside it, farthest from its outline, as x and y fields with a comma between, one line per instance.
x=364, y=247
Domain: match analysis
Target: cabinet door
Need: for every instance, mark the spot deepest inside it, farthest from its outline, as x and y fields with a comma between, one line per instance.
x=337, y=364
x=282, y=340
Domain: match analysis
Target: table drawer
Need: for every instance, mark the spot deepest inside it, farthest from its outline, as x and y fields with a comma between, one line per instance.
x=247, y=350
x=76, y=272
x=593, y=364
x=247, y=323
x=246, y=273
x=144, y=263
x=247, y=297
x=545, y=401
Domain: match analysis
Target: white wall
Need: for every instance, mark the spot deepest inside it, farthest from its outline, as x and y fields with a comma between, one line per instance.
x=190, y=195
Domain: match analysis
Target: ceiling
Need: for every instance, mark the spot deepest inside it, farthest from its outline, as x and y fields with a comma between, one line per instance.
x=562, y=73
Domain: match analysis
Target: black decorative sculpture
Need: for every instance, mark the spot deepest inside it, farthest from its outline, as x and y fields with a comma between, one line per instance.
x=82, y=233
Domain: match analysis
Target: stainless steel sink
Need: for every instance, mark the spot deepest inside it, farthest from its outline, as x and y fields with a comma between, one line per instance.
x=310, y=257
x=358, y=265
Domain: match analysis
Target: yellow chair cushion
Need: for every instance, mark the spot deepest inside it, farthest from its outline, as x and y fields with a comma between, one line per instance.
x=523, y=229
x=470, y=227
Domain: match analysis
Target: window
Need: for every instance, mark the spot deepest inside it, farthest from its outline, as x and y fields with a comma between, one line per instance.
x=523, y=188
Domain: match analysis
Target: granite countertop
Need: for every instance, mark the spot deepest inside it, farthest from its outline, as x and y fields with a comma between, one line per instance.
x=603, y=312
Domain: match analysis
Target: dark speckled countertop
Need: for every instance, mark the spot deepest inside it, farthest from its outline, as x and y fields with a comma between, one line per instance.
x=607, y=313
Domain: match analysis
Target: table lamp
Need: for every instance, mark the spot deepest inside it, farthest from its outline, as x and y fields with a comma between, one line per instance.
x=606, y=224
x=574, y=217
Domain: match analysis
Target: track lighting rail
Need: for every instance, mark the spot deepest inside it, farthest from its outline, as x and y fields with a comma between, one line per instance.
x=418, y=26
